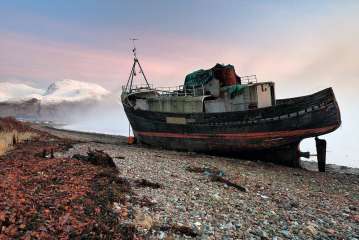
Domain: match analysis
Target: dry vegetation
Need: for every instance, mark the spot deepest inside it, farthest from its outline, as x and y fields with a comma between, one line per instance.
x=9, y=138
x=48, y=197
x=13, y=132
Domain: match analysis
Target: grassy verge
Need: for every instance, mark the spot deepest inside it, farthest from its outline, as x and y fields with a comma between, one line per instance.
x=10, y=138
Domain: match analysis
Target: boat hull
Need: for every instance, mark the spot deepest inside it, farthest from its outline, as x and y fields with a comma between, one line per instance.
x=269, y=134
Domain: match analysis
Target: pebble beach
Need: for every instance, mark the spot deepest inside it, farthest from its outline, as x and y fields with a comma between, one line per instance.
x=278, y=202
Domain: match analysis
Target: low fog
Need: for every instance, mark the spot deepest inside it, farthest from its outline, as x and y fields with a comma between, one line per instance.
x=106, y=116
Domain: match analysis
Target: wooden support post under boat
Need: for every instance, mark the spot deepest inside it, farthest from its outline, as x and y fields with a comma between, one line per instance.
x=321, y=146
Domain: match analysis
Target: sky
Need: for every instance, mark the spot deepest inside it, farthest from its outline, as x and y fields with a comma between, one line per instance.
x=303, y=46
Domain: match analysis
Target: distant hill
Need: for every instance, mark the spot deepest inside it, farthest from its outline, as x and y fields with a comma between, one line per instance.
x=10, y=92
x=73, y=91
x=61, y=101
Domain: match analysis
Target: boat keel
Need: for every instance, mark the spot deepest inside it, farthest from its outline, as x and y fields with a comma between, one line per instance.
x=288, y=155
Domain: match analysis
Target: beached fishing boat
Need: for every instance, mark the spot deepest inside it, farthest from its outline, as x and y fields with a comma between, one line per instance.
x=217, y=111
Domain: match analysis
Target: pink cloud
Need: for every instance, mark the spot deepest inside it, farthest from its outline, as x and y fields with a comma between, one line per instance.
x=32, y=58
x=166, y=59
x=25, y=57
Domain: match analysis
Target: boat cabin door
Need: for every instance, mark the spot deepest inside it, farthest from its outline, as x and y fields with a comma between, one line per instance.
x=265, y=95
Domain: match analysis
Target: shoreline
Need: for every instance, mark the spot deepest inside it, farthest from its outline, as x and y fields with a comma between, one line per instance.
x=150, y=193
x=110, y=138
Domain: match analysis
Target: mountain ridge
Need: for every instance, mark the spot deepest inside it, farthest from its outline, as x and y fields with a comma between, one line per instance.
x=62, y=101
x=64, y=90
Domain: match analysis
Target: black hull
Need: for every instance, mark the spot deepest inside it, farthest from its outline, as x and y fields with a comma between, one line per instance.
x=270, y=134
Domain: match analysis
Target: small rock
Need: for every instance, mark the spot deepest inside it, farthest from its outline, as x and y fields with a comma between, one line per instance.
x=228, y=226
x=330, y=231
x=216, y=196
x=197, y=226
x=353, y=208
x=346, y=210
x=295, y=223
x=208, y=229
x=22, y=226
x=285, y=233
x=161, y=235
x=237, y=224
x=263, y=235
x=264, y=196
x=356, y=218
x=311, y=230
x=124, y=213
x=169, y=237
x=276, y=238
x=143, y=220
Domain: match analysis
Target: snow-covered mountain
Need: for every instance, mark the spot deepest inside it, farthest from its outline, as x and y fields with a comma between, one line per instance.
x=18, y=91
x=63, y=100
x=73, y=91
x=61, y=91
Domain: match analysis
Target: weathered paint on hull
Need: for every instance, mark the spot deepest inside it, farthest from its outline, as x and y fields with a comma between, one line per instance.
x=270, y=134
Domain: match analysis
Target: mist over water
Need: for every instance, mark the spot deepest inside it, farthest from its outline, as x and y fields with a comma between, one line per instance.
x=107, y=117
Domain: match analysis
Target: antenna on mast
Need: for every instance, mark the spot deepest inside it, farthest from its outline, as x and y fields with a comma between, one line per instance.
x=133, y=70
x=134, y=46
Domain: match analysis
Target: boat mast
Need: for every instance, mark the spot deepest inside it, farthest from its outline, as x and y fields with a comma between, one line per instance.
x=133, y=69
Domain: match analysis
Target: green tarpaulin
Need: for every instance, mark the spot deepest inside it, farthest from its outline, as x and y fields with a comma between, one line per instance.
x=234, y=90
x=198, y=78
x=201, y=77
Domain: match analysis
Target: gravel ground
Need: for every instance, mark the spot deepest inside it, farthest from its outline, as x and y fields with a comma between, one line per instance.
x=280, y=202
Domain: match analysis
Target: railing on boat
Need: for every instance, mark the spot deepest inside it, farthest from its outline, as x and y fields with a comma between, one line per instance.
x=181, y=90
x=169, y=91
x=249, y=79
